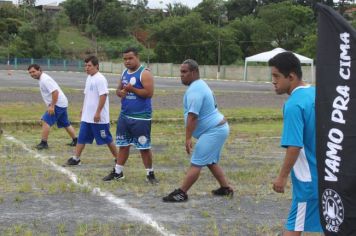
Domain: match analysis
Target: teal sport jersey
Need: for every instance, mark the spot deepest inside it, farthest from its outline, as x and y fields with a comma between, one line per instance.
x=299, y=131
x=200, y=100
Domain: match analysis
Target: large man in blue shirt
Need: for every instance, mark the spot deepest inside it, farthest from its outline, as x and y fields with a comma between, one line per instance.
x=298, y=137
x=204, y=122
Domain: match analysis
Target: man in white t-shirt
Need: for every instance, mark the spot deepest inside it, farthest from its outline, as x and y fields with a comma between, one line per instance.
x=57, y=104
x=95, y=119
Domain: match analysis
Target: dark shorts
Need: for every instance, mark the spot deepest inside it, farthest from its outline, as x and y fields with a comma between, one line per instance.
x=133, y=132
x=60, y=117
x=89, y=131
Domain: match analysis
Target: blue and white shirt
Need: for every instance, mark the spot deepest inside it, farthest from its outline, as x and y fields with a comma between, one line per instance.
x=132, y=105
x=200, y=100
x=299, y=131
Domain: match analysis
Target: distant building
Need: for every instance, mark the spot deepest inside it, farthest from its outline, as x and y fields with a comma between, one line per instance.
x=50, y=8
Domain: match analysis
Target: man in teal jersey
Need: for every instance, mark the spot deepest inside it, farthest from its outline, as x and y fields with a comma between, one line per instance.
x=134, y=123
x=298, y=137
x=204, y=122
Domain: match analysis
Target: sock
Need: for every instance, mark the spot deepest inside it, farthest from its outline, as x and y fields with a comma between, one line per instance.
x=118, y=168
x=149, y=170
x=75, y=139
x=76, y=158
x=43, y=141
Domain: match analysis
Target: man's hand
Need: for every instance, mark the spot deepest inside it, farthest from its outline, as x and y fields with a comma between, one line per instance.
x=121, y=93
x=279, y=184
x=50, y=110
x=188, y=145
x=96, y=117
x=128, y=87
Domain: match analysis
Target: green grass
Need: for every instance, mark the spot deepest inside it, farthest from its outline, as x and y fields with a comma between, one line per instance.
x=70, y=39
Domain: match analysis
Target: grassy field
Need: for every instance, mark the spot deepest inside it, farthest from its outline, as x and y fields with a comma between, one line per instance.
x=38, y=197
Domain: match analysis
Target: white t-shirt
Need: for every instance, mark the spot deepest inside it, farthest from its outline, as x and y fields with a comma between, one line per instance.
x=95, y=86
x=47, y=87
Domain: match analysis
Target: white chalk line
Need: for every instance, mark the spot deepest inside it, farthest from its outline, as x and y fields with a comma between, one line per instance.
x=119, y=202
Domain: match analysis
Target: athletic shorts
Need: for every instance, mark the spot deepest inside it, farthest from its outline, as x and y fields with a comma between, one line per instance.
x=304, y=216
x=208, y=148
x=60, y=117
x=133, y=132
x=89, y=131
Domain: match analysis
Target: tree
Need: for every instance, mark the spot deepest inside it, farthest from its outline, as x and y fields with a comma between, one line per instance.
x=179, y=38
x=177, y=9
x=283, y=25
x=243, y=30
x=211, y=10
x=77, y=10
x=240, y=8
x=112, y=20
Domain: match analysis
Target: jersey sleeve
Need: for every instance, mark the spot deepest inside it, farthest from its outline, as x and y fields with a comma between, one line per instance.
x=194, y=103
x=293, y=126
x=51, y=85
x=102, y=86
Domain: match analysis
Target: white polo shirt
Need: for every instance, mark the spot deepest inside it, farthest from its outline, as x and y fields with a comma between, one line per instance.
x=95, y=86
x=47, y=87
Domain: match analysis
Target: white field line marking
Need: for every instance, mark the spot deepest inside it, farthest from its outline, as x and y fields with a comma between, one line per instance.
x=119, y=202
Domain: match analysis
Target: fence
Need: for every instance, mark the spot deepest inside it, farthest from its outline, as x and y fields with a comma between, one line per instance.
x=231, y=72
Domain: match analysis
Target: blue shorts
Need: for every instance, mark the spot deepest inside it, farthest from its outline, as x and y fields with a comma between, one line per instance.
x=208, y=148
x=89, y=131
x=60, y=117
x=133, y=132
x=304, y=216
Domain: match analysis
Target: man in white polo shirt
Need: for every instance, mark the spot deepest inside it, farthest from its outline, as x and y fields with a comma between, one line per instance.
x=95, y=119
x=57, y=104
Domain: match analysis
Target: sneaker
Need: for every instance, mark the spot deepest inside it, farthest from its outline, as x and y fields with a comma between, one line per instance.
x=114, y=176
x=223, y=191
x=73, y=143
x=176, y=196
x=72, y=162
x=150, y=178
x=42, y=145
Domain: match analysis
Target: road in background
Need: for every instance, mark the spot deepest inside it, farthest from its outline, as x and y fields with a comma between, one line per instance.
x=77, y=80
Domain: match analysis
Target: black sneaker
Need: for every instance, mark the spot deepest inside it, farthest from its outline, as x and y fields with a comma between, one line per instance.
x=176, y=196
x=223, y=191
x=73, y=143
x=150, y=178
x=114, y=176
x=42, y=145
x=72, y=162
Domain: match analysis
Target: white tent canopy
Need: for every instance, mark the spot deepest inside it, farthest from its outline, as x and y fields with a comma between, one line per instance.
x=265, y=56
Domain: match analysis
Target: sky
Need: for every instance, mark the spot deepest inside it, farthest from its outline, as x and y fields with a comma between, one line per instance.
x=163, y=3
x=151, y=3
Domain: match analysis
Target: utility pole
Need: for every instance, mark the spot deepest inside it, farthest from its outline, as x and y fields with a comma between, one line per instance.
x=219, y=48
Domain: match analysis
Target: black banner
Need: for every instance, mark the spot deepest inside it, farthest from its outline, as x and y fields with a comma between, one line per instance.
x=336, y=122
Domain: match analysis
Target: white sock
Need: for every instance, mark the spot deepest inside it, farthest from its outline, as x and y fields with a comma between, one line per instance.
x=118, y=169
x=76, y=158
x=149, y=170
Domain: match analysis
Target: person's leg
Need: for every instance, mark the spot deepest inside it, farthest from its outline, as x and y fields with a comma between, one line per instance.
x=45, y=131
x=113, y=149
x=123, y=155
x=79, y=149
x=292, y=233
x=71, y=132
x=85, y=136
x=190, y=178
x=146, y=155
x=219, y=175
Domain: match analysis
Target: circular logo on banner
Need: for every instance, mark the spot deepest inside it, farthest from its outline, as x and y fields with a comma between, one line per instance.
x=333, y=210
x=133, y=81
x=142, y=140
